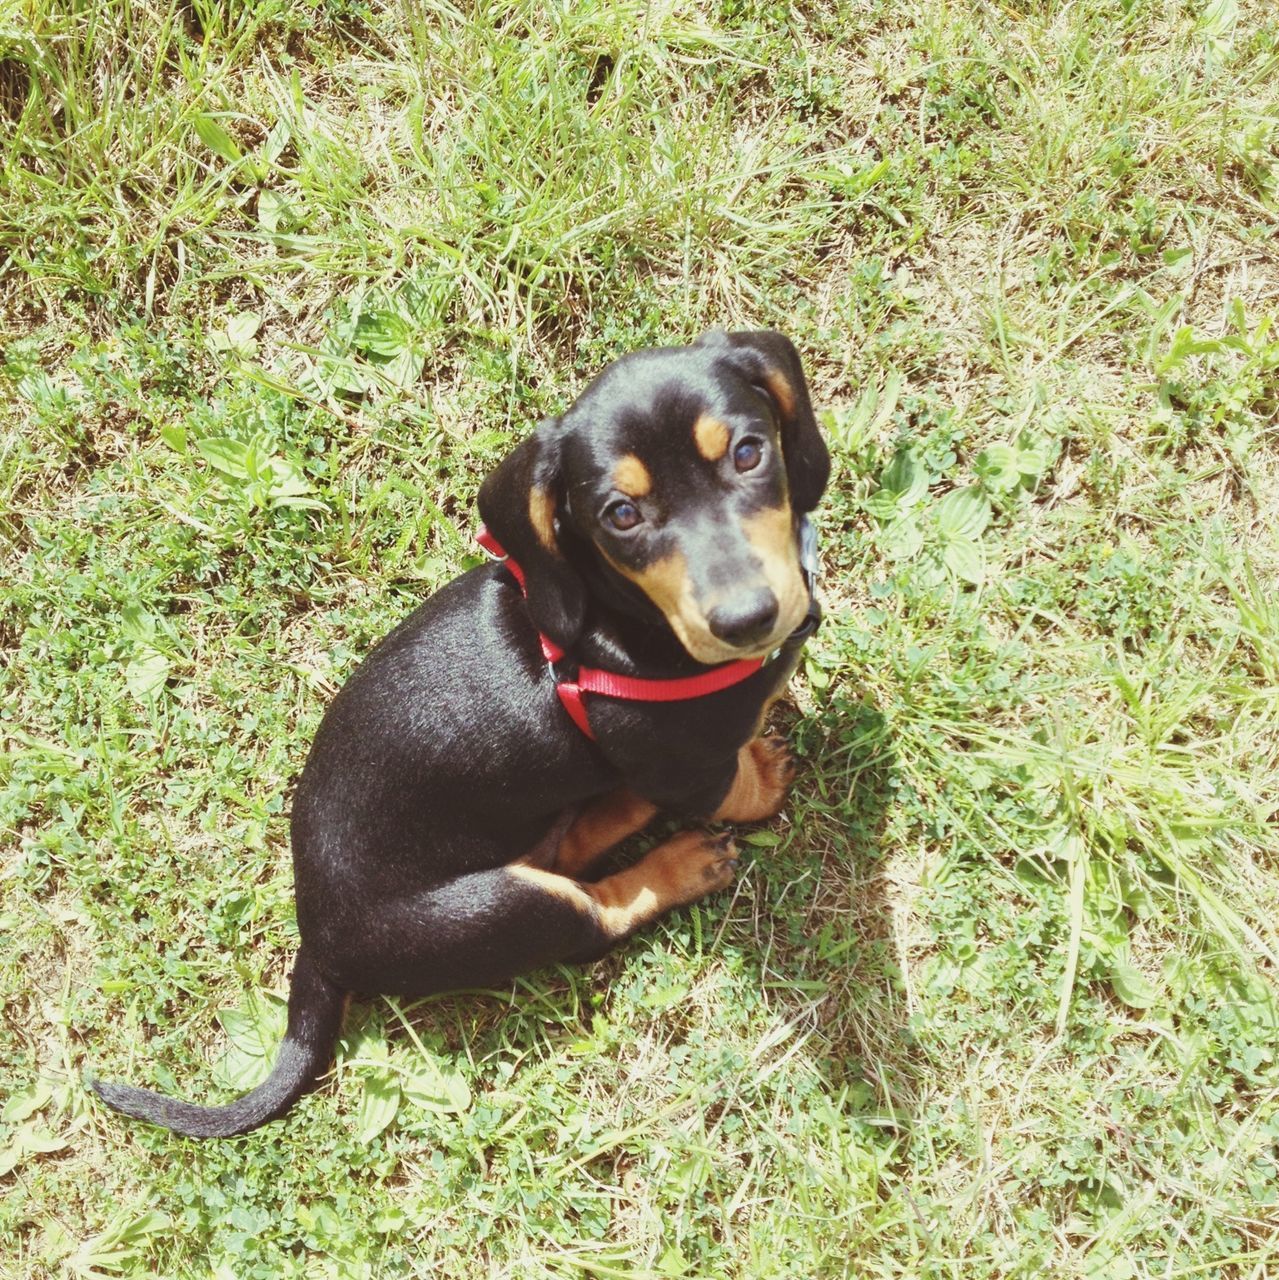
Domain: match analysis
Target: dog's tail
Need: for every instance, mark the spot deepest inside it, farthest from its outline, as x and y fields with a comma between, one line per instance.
x=316, y=1007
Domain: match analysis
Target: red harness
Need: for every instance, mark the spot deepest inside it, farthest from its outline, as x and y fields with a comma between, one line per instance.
x=608, y=683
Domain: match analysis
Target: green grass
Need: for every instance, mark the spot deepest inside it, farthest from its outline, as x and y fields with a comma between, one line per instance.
x=997, y=996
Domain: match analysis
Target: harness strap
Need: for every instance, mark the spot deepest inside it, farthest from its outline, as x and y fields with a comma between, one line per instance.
x=550, y=650
x=676, y=689
x=569, y=693
x=609, y=684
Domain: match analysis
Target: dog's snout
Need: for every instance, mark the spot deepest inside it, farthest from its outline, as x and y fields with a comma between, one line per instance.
x=746, y=617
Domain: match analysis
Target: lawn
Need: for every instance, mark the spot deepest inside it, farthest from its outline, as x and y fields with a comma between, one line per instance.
x=996, y=996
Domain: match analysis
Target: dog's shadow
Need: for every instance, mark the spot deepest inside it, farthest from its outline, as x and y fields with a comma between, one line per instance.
x=810, y=924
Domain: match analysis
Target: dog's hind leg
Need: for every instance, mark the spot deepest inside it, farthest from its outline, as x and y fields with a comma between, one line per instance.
x=482, y=929
x=676, y=872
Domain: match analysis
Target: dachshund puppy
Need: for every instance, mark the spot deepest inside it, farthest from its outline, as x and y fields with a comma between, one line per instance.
x=617, y=662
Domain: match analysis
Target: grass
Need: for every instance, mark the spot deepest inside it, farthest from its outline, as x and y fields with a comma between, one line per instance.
x=996, y=997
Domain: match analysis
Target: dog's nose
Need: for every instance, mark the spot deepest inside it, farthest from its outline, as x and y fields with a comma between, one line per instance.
x=747, y=617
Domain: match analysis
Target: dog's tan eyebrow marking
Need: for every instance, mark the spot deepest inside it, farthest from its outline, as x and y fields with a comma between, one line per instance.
x=541, y=514
x=632, y=477
x=779, y=387
x=711, y=437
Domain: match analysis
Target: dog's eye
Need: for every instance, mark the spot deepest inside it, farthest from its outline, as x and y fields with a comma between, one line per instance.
x=623, y=516
x=747, y=455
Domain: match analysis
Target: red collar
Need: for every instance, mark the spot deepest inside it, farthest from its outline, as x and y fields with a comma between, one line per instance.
x=610, y=685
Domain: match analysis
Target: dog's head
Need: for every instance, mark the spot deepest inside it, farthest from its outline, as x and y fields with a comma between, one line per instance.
x=679, y=473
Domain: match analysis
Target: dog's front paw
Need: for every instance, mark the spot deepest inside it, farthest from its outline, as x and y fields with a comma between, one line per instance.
x=765, y=770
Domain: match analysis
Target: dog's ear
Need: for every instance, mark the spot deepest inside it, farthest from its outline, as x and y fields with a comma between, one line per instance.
x=519, y=503
x=769, y=361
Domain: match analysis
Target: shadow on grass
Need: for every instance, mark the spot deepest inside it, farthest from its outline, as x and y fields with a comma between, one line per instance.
x=806, y=940
x=864, y=1015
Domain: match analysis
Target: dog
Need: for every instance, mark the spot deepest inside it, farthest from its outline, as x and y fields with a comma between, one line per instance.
x=617, y=661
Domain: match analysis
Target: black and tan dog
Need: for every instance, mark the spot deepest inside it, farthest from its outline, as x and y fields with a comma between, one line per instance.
x=451, y=810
